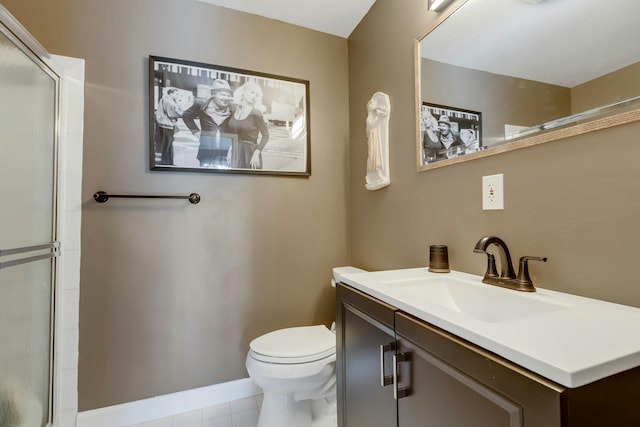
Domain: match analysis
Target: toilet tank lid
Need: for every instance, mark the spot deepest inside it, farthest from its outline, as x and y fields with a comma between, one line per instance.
x=339, y=271
x=295, y=342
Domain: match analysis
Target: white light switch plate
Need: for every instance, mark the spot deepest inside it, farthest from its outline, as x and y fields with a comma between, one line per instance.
x=492, y=192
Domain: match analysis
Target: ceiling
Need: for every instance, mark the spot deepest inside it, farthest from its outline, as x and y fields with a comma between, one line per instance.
x=337, y=17
x=562, y=42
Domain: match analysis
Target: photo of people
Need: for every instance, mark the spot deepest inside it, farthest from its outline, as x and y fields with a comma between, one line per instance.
x=448, y=133
x=208, y=118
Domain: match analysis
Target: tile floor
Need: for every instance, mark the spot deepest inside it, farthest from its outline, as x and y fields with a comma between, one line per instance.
x=239, y=413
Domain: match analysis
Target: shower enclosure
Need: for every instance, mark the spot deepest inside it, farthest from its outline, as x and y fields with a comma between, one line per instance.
x=28, y=230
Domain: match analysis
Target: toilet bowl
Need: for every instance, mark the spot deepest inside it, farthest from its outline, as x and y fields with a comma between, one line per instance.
x=295, y=367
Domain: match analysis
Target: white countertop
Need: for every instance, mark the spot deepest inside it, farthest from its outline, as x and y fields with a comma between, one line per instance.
x=568, y=339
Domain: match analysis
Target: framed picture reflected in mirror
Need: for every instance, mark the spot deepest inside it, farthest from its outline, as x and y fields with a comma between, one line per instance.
x=448, y=132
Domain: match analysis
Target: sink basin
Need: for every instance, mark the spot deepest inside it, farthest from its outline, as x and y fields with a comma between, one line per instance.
x=472, y=298
x=569, y=339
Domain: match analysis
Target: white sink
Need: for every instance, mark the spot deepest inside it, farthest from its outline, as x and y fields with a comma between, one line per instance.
x=569, y=339
x=472, y=298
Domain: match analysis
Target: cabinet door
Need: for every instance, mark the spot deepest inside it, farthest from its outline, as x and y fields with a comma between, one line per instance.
x=451, y=383
x=365, y=345
x=438, y=395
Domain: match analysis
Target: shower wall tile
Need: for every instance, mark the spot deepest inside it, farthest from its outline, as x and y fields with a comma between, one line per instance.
x=70, y=267
x=67, y=351
x=65, y=405
x=68, y=389
x=72, y=97
x=71, y=156
x=70, y=316
x=67, y=418
x=71, y=234
x=72, y=200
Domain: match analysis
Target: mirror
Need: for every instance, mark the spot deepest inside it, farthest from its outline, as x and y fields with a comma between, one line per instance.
x=498, y=75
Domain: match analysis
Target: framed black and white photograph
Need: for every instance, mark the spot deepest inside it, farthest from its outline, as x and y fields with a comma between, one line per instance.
x=211, y=118
x=448, y=132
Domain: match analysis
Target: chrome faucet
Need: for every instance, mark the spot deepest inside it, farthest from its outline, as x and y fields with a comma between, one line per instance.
x=507, y=277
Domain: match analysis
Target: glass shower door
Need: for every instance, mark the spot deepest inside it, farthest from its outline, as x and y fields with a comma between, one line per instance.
x=28, y=111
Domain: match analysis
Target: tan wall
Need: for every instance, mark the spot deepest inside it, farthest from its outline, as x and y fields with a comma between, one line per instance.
x=500, y=99
x=608, y=89
x=576, y=201
x=171, y=294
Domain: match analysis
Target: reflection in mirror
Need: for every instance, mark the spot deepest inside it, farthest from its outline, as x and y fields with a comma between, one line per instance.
x=449, y=133
x=529, y=68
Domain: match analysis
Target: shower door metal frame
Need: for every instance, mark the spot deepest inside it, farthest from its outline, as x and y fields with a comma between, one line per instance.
x=23, y=40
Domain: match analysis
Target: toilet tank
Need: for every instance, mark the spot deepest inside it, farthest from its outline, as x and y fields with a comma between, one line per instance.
x=339, y=271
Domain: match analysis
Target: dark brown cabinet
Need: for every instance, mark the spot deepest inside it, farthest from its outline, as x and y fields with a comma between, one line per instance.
x=366, y=345
x=458, y=384
x=396, y=370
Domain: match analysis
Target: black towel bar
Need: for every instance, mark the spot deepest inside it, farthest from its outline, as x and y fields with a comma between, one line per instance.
x=103, y=196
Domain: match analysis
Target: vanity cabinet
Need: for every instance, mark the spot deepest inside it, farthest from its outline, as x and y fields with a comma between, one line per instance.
x=453, y=383
x=365, y=341
x=435, y=378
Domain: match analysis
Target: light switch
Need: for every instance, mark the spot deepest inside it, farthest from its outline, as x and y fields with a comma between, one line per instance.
x=492, y=192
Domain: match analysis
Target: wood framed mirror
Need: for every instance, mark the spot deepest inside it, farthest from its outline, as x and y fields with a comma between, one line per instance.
x=536, y=70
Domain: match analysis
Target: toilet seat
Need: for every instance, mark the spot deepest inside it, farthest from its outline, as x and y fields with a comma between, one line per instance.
x=301, y=344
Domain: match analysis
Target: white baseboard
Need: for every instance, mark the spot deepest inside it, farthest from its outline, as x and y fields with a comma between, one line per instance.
x=167, y=405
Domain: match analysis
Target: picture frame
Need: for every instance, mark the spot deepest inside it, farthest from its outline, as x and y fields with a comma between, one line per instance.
x=448, y=132
x=218, y=119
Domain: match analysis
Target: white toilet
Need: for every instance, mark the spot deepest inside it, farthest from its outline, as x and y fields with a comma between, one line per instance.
x=295, y=367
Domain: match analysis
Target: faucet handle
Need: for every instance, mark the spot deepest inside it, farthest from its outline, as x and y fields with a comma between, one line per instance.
x=523, y=271
x=492, y=270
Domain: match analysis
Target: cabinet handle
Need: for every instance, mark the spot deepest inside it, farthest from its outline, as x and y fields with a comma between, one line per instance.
x=399, y=393
x=385, y=380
